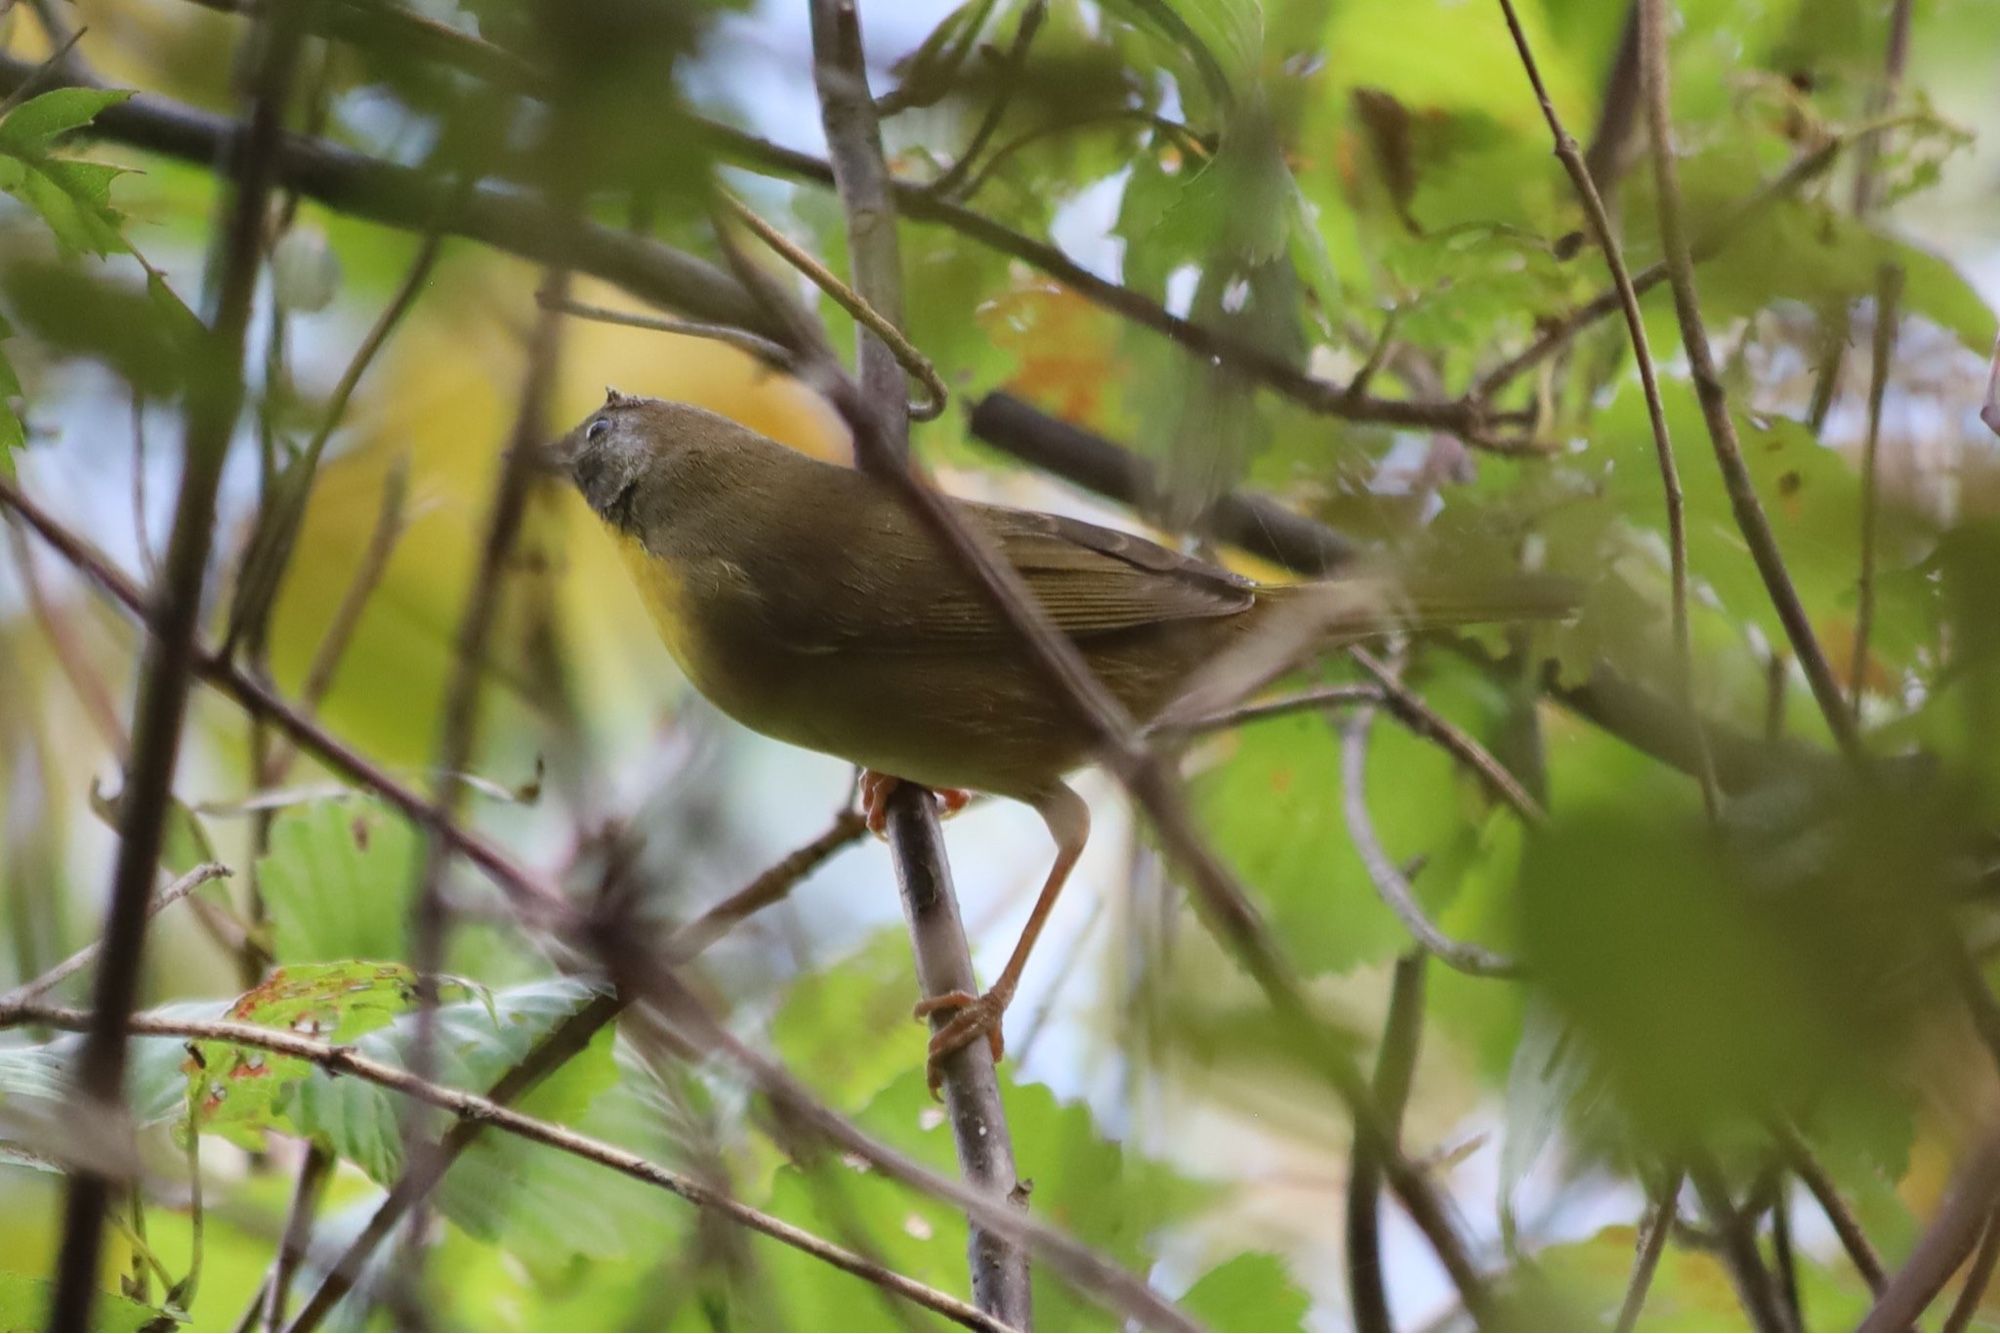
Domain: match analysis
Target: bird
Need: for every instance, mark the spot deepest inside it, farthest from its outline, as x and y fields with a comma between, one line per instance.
x=804, y=600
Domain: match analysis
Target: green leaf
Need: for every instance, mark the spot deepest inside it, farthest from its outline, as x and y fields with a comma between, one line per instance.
x=820, y=1028
x=337, y=881
x=31, y=127
x=1090, y=1185
x=25, y=1301
x=240, y=1091
x=1251, y=1292
x=502, y=1187
x=1273, y=807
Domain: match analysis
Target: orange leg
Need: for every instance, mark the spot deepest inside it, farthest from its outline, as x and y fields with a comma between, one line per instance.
x=875, y=790
x=1068, y=820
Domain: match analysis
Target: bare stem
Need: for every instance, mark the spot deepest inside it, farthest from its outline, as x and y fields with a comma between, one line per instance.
x=999, y=1266
x=164, y=677
x=1653, y=1233
x=1888, y=294
x=1656, y=414
x=1749, y=510
x=77, y=962
x=1395, y=1066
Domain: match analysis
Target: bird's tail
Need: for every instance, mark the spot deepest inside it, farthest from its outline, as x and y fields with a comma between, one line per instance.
x=1294, y=621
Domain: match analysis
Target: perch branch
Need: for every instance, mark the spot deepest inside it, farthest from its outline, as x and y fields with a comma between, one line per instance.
x=999, y=1265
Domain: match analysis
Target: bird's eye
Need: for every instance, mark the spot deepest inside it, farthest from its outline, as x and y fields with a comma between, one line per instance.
x=596, y=429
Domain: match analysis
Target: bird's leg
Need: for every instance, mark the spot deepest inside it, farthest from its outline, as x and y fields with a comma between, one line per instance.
x=1068, y=819
x=875, y=790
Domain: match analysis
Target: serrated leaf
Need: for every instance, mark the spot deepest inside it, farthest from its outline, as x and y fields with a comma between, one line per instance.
x=240, y=1091
x=502, y=1185
x=1251, y=1292
x=337, y=880
x=25, y=1301
x=30, y=127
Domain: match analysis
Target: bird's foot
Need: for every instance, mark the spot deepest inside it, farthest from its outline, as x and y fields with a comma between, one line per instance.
x=875, y=790
x=976, y=1015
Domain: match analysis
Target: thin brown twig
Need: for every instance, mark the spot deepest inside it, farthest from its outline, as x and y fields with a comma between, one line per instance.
x=1653, y=1233
x=183, y=886
x=1415, y=713
x=367, y=577
x=1802, y=1164
x=1738, y=1242
x=430, y=917
x=1805, y=168
x=1391, y=885
x=849, y=299
x=1316, y=700
x=1395, y=1069
x=1888, y=297
x=1749, y=510
x=1675, y=504
x=948, y=181
x=1895, y=56
x=766, y=351
x=212, y=404
x=472, y=1108
x=75, y=665
x=271, y=543
x=314, y=1170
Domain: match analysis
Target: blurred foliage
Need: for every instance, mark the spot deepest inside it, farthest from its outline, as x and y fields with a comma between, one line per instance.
x=1337, y=184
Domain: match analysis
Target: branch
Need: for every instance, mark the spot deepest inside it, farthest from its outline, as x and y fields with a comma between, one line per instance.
x=999, y=1266
x=485, y=1111
x=1656, y=413
x=1977, y=1276
x=80, y=960
x=214, y=397
x=1320, y=699
x=1391, y=885
x=1895, y=55
x=1414, y=713
x=686, y=1023
x=1968, y=1203
x=1888, y=294
x=1799, y=1159
x=1266, y=528
x=538, y=905
x=1738, y=1241
x=1750, y=517
x=1395, y=1064
x=1653, y=1232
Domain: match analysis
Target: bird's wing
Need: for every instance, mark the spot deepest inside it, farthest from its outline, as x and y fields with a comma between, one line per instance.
x=1090, y=580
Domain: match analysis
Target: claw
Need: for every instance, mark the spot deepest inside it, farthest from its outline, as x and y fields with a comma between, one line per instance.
x=976, y=1015
x=875, y=790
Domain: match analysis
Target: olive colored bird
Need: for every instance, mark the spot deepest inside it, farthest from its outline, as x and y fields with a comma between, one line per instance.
x=806, y=602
